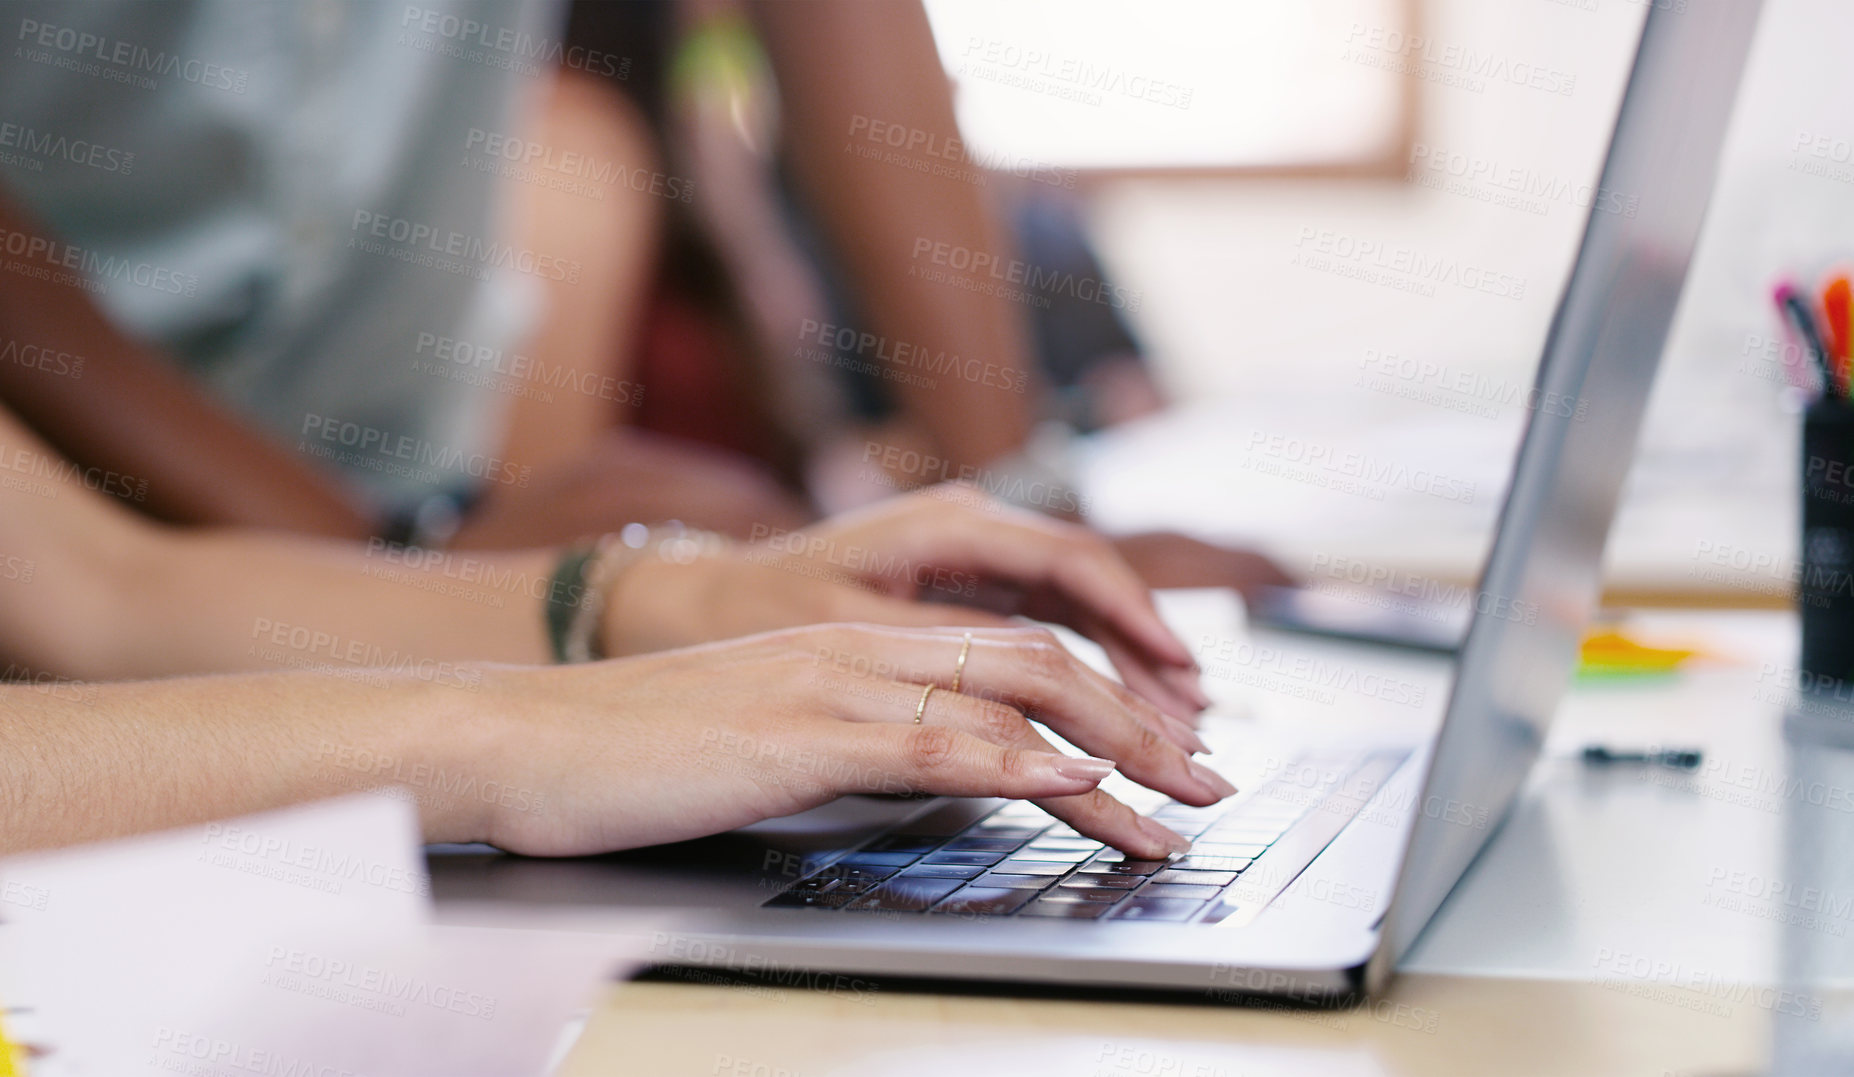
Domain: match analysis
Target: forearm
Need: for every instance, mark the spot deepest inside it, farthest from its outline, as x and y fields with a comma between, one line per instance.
x=845, y=62
x=260, y=601
x=89, y=589
x=93, y=762
x=108, y=402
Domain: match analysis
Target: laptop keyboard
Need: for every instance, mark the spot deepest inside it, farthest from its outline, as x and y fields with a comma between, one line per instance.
x=1017, y=861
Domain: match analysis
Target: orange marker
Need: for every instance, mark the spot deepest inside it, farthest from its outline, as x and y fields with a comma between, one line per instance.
x=1835, y=309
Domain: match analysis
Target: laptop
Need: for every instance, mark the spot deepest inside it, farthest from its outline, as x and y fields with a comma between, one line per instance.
x=1318, y=876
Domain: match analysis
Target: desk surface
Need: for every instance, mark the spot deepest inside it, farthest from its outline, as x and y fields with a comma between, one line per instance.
x=1427, y=1026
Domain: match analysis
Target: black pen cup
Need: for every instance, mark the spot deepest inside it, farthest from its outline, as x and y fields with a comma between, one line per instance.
x=1825, y=587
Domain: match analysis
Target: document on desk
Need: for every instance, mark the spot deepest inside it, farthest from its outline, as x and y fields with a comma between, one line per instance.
x=296, y=941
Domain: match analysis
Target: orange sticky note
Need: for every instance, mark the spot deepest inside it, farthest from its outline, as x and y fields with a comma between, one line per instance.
x=1607, y=652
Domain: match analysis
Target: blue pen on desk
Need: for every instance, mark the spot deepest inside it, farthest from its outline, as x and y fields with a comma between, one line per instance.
x=1797, y=315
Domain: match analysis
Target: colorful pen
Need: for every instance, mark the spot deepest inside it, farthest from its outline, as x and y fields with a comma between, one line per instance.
x=1796, y=312
x=1835, y=297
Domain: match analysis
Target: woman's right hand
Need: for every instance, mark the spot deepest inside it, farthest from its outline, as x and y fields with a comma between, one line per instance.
x=681, y=744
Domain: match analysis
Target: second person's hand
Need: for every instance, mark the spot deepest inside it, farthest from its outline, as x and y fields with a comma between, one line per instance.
x=922, y=560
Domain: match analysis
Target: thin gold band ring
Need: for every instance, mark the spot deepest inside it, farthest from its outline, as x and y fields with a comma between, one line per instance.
x=959, y=669
x=920, y=710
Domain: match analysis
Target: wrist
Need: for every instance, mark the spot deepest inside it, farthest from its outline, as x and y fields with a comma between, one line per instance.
x=652, y=599
x=459, y=734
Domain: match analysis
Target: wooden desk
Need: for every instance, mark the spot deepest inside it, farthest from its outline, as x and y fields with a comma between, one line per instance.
x=1427, y=1026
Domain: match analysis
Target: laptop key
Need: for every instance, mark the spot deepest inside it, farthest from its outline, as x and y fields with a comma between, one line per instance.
x=864, y=859
x=1032, y=867
x=1117, y=882
x=803, y=899
x=853, y=873
x=1021, y=833
x=1263, y=827
x=1219, y=911
x=1016, y=882
x=1180, y=890
x=1018, y=809
x=943, y=871
x=1195, y=862
x=1047, y=842
x=981, y=843
x=982, y=859
x=1171, y=910
x=1128, y=867
x=1244, y=836
x=1221, y=848
x=1019, y=813
x=1200, y=878
x=1062, y=856
x=848, y=880
x=1065, y=910
x=984, y=900
x=906, y=894
x=1183, y=820
x=1096, y=894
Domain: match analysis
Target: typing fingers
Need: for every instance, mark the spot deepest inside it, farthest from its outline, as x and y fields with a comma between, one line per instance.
x=1029, y=671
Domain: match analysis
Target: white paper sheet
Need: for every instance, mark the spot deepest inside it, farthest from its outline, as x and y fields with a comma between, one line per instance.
x=296, y=942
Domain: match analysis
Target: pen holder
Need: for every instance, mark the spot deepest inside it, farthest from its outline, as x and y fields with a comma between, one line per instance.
x=1825, y=589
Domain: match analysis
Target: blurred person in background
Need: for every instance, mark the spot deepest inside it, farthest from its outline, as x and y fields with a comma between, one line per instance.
x=311, y=211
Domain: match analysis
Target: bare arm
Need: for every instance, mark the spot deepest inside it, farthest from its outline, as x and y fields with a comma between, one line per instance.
x=125, y=410
x=93, y=762
x=841, y=60
x=89, y=589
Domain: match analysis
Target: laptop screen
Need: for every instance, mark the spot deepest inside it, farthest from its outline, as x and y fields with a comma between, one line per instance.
x=1542, y=578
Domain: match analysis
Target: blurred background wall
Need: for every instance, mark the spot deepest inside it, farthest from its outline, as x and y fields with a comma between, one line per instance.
x=1385, y=289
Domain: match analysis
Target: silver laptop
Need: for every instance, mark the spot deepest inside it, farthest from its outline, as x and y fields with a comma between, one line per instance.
x=1313, y=882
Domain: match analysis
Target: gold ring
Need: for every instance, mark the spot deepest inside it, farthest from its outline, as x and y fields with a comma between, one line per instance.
x=959, y=670
x=920, y=711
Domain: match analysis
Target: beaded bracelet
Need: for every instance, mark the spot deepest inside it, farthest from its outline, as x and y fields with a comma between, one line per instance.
x=576, y=593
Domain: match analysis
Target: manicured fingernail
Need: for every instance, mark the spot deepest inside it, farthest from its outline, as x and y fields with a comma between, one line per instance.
x=1179, y=732
x=1211, y=780
x=1083, y=766
x=1174, y=843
